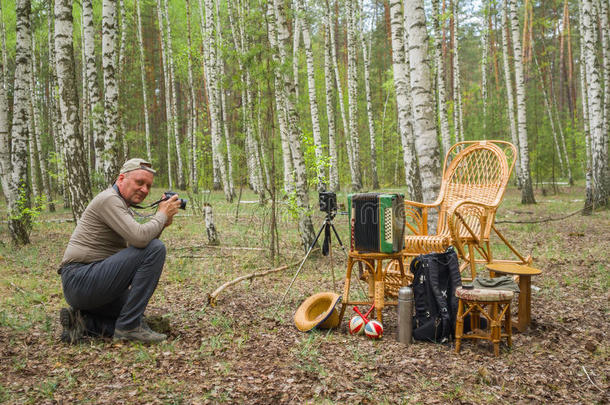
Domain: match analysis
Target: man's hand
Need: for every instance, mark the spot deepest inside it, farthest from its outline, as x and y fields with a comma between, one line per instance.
x=170, y=208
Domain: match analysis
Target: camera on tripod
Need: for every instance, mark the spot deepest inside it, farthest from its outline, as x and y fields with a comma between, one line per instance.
x=168, y=194
x=328, y=202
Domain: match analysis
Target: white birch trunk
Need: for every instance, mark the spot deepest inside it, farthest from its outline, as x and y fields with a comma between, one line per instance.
x=5, y=151
x=485, y=46
x=44, y=174
x=120, y=80
x=225, y=122
x=440, y=80
x=330, y=112
x=595, y=106
x=212, y=71
x=174, y=99
x=402, y=88
x=424, y=122
x=4, y=61
x=547, y=106
x=313, y=100
x=588, y=206
x=457, y=88
x=19, y=200
x=296, y=40
x=77, y=174
x=344, y=117
x=33, y=127
x=85, y=106
x=527, y=191
x=352, y=96
x=289, y=180
x=167, y=92
x=111, y=91
x=369, y=102
x=605, y=24
x=95, y=102
x=288, y=91
x=509, y=93
x=192, y=111
x=143, y=78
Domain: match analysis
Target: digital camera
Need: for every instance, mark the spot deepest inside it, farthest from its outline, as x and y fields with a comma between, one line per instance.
x=168, y=194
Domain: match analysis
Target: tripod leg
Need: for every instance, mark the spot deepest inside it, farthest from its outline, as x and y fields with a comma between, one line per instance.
x=338, y=238
x=301, y=265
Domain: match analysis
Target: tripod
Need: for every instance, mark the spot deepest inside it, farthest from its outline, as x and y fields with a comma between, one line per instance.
x=326, y=226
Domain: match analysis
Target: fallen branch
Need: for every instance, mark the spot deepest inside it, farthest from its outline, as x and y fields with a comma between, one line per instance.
x=590, y=380
x=212, y=297
x=221, y=247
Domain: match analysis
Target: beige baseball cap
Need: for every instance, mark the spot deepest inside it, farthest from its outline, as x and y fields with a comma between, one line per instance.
x=136, y=164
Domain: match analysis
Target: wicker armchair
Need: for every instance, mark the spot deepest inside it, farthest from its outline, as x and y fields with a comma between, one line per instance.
x=474, y=181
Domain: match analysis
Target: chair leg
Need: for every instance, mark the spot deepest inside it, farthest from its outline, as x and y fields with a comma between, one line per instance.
x=473, y=268
x=495, y=328
x=509, y=326
x=459, y=325
x=348, y=277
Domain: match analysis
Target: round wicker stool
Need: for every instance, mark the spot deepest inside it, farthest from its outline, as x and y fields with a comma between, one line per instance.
x=491, y=304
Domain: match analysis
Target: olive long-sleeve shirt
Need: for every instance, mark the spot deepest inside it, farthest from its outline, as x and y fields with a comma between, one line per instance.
x=106, y=227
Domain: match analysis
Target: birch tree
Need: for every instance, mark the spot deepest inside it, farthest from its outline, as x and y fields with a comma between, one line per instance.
x=111, y=91
x=20, y=222
x=510, y=102
x=458, y=120
x=595, y=107
x=402, y=88
x=5, y=151
x=211, y=68
x=121, y=79
x=4, y=58
x=352, y=96
x=440, y=79
x=484, y=46
x=143, y=79
x=369, y=103
x=289, y=180
x=527, y=192
x=330, y=110
x=605, y=28
x=424, y=121
x=44, y=174
x=167, y=92
x=174, y=99
x=313, y=100
x=588, y=208
x=302, y=199
x=192, y=107
x=76, y=167
x=344, y=118
x=95, y=102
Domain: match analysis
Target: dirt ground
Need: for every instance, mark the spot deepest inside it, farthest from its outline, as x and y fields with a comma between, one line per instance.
x=247, y=350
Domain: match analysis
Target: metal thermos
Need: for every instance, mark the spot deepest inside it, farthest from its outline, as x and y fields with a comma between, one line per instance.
x=405, y=315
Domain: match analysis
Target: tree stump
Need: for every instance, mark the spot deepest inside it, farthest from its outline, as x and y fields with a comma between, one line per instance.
x=209, y=224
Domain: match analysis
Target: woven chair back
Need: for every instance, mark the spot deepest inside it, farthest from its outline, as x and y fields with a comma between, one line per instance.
x=477, y=171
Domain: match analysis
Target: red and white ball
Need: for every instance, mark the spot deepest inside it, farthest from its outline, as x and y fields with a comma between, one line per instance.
x=356, y=325
x=374, y=329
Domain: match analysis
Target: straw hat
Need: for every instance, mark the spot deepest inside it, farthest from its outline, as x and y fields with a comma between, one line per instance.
x=318, y=311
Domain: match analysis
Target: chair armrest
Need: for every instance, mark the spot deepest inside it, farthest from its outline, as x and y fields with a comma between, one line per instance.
x=456, y=221
x=416, y=216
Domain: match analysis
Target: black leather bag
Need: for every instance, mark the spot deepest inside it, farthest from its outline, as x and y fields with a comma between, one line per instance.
x=436, y=276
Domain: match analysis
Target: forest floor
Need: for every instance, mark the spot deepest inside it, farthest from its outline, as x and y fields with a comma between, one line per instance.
x=246, y=350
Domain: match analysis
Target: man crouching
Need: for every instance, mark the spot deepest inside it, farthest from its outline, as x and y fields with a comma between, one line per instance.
x=112, y=264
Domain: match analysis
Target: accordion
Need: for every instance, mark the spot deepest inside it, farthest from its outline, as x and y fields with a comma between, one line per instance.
x=377, y=222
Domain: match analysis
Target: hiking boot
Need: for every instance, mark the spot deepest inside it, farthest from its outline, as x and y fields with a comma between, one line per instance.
x=73, y=325
x=142, y=333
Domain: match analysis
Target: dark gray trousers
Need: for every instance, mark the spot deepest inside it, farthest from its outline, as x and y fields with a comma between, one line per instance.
x=114, y=292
